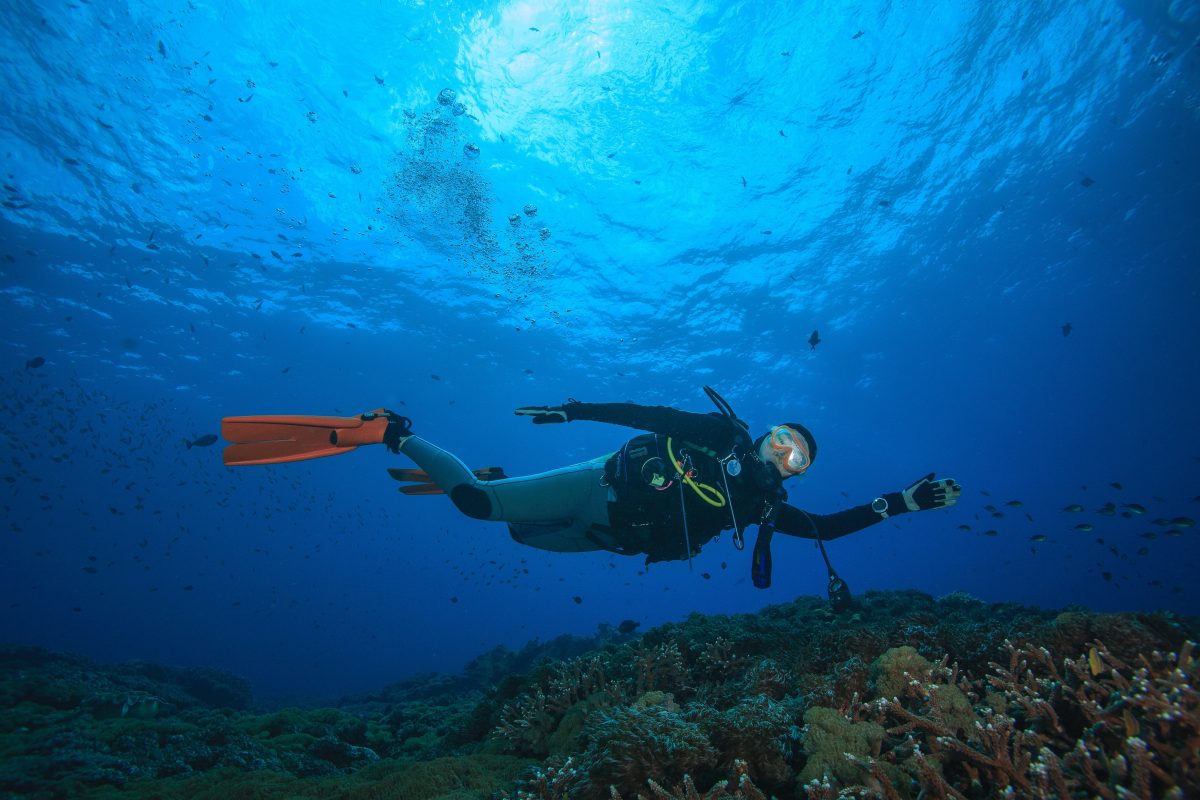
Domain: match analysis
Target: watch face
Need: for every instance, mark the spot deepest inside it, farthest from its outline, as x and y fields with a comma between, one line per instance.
x=879, y=505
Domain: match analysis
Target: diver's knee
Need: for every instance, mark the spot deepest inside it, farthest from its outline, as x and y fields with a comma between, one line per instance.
x=472, y=501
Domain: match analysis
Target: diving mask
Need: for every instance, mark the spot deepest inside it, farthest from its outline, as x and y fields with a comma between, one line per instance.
x=789, y=450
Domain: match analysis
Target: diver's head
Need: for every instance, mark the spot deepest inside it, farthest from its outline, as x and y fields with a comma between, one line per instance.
x=789, y=447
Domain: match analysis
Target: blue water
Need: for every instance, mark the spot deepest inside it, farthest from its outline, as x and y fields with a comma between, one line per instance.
x=213, y=208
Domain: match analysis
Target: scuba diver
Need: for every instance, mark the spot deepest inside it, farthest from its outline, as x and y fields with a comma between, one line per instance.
x=664, y=494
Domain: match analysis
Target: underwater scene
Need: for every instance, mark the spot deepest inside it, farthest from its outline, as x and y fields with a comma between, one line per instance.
x=600, y=399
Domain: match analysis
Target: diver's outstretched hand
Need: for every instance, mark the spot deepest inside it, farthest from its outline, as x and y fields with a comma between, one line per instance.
x=928, y=493
x=544, y=415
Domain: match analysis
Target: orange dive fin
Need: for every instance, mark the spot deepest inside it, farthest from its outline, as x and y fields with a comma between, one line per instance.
x=423, y=484
x=279, y=438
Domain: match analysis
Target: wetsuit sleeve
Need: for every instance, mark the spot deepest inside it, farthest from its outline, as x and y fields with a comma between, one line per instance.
x=795, y=522
x=708, y=429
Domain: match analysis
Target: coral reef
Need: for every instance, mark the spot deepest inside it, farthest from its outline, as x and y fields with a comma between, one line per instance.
x=905, y=697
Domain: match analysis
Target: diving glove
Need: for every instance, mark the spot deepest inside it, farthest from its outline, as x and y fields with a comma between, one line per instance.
x=928, y=493
x=544, y=415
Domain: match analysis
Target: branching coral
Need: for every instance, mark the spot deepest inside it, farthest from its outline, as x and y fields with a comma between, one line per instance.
x=1098, y=726
x=630, y=745
x=526, y=724
x=743, y=788
x=659, y=667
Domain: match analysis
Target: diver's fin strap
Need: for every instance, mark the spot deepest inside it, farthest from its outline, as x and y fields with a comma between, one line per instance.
x=423, y=484
x=280, y=438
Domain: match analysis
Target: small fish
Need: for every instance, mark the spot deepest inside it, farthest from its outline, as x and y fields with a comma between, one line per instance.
x=35, y=362
x=706, y=576
x=743, y=181
x=1085, y=527
x=814, y=340
x=1066, y=329
x=991, y=532
x=379, y=80
x=435, y=377
x=162, y=49
x=577, y=599
x=536, y=30
x=201, y=441
x=1107, y=510
x=1014, y=503
x=1183, y=522
x=1173, y=532
x=1136, y=508
x=857, y=35
x=964, y=527
x=1037, y=537
x=781, y=133
x=1116, y=486
x=628, y=626
x=1086, y=182
x=1149, y=535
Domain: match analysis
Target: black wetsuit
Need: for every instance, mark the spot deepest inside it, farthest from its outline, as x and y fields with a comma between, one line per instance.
x=650, y=519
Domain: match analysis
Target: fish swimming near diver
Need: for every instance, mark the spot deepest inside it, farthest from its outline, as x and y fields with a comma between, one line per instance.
x=814, y=340
x=35, y=362
x=206, y=440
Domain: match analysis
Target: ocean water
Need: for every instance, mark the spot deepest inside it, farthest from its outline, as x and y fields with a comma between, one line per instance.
x=988, y=211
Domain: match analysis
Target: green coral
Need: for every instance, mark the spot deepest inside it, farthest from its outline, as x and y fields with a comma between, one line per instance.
x=828, y=736
x=893, y=672
x=902, y=672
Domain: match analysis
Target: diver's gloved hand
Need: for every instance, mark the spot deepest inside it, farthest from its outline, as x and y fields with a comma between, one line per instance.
x=928, y=493
x=544, y=415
